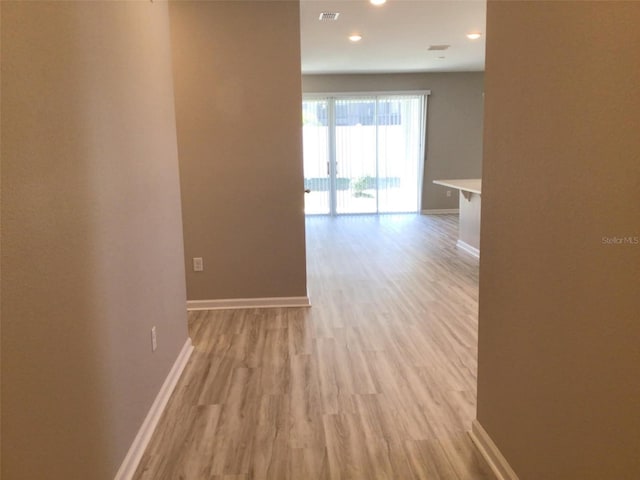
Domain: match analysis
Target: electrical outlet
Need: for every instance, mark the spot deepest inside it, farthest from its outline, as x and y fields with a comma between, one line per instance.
x=198, y=264
x=154, y=339
x=448, y=193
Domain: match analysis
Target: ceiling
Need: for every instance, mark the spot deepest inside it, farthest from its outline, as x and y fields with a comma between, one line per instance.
x=395, y=36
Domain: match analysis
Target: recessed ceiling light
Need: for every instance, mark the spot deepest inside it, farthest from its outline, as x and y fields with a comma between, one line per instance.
x=355, y=37
x=378, y=2
x=473, y=36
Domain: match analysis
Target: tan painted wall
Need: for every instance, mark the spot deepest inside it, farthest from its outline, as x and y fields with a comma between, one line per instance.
x=558, y=382
x=91, y=232
x=454, y=123
x=238, y=107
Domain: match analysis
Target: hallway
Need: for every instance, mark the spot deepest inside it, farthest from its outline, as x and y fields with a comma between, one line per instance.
x=376, y=381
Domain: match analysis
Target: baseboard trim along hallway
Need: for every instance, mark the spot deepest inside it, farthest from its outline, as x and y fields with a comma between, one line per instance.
x=139, y=445
x=235, y=303
x=440, y=211
x=491, y=453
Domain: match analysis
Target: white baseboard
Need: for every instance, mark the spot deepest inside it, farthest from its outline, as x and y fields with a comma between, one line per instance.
x=139, y=445
x=440, y=211
x=490, y=452
x=468, y=248
x=235, y=303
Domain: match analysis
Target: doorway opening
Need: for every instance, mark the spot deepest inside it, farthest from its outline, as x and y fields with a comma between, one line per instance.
x=364, y=154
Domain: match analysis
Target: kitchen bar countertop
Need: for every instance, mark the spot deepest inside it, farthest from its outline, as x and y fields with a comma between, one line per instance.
x=473, y=185
x=469, y=220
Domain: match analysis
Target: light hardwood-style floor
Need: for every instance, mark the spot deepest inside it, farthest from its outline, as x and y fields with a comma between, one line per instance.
x=376, y=381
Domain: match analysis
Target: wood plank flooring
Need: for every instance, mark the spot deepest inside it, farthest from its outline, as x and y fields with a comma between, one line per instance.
x=376, y=381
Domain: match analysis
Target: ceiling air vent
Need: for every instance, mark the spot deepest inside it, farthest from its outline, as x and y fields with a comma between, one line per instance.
x=328, y=16
x=438, y=47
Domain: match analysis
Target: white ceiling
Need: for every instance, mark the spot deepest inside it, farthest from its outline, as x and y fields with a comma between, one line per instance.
x=396, y=36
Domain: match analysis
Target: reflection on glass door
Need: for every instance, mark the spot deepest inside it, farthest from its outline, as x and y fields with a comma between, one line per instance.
x=363, y=154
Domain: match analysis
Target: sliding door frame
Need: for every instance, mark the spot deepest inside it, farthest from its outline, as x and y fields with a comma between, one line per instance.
x=332, y=166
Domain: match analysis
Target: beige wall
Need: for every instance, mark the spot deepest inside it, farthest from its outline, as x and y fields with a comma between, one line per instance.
x=238, y=107
x=454, y=123
x=558, y=382
x=91, y=232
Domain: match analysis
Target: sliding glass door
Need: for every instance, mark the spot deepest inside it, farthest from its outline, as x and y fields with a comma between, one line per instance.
x=363, y=154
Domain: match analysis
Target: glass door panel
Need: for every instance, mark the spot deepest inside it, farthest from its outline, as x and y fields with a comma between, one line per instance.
x=355, y=155
x=400, y=137
x=315, y=134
